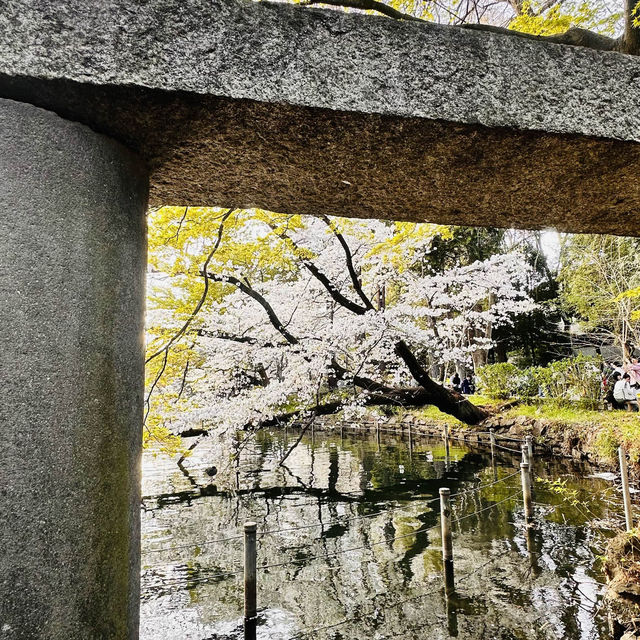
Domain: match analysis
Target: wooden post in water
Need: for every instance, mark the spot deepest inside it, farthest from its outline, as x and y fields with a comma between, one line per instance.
x=492, y=438
x=447, y=542
x=526, y=492
x=525, y=453
x=250, y=599
x=446, y=440
x=529, y=441
x=626, y=496
x=410, y=443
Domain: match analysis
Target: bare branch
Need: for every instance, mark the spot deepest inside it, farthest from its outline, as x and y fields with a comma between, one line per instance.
x=205, y=291
x=628, y=43
x=297, y=442
x=366, y=5
x=574, y=36
x=355, y=281
x=159, y=375
x=177, y=233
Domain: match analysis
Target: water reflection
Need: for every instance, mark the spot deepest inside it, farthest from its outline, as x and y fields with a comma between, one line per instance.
x=358, y=553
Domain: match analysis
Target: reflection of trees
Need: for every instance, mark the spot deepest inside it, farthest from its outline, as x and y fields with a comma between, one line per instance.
x=504, y=599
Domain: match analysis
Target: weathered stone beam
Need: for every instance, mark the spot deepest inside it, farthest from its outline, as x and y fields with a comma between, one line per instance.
x=306, y=111
x=279, y=53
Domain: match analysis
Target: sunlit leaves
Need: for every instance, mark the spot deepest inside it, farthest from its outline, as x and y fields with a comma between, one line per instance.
x=595, y=16
x=601, y=283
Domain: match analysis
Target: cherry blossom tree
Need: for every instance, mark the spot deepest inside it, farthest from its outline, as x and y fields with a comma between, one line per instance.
x=280, y=317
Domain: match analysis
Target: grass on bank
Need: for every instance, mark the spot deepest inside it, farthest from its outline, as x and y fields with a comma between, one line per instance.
x=605, y=431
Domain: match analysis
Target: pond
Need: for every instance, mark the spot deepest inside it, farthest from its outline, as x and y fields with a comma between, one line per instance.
x=349, y=542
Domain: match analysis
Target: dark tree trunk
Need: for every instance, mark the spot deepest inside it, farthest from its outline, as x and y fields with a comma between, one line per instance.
x=451, y=402
x=631, y=39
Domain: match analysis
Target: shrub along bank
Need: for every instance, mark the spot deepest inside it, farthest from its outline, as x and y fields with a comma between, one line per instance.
x=574, y=381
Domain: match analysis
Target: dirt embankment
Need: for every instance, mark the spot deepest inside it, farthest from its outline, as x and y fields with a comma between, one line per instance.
x=622, y=568
x=570, y=440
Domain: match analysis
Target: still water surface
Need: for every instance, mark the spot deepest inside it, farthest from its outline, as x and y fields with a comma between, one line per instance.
x=357, y=551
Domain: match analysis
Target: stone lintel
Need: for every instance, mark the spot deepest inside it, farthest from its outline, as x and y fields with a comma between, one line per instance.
x=313, y=111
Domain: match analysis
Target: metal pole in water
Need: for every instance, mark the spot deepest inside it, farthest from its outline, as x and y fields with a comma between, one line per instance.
x=526, y=492
x=447, y=542
x=250, y=561
x=624, y=475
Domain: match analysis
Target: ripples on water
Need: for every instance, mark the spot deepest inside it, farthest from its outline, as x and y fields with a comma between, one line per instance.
x=381, y=573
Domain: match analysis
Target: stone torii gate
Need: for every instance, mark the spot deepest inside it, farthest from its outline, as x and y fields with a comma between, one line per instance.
x=107, y=104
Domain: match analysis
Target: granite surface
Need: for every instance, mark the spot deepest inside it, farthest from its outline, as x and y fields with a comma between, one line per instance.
x=299, y=110
x=72, y=270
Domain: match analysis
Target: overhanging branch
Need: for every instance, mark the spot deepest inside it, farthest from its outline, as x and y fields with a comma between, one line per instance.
x=355, y=281
x=261, y=300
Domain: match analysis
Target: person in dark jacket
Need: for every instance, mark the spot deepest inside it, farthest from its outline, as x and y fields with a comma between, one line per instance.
x=465, y=386
x=609, y=391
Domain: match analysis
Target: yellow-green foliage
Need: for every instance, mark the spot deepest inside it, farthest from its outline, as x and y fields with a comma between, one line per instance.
x=419, y=9
x=600, y=283
x=564, y=15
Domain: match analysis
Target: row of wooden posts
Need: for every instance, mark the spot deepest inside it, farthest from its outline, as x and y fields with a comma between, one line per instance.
x=526, y=472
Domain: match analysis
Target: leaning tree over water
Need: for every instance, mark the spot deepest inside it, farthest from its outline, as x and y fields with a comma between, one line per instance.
x=263, y=317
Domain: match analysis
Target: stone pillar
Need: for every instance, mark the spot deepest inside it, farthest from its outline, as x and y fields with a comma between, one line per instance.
x=72, y=270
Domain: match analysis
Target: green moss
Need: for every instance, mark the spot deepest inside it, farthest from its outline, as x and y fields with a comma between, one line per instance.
x=606, y=443
x=432, y=414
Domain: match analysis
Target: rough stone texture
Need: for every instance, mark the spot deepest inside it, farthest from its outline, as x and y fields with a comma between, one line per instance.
x=306, y=111
x=71, y=372
x=279, y=53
